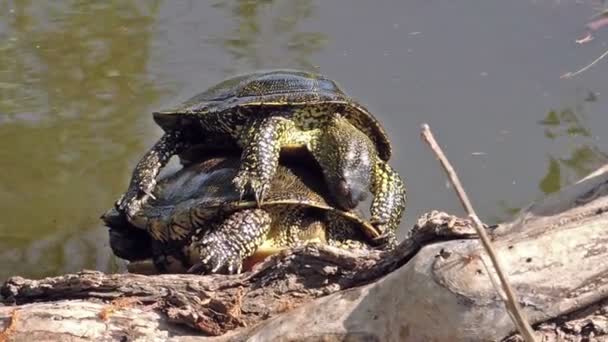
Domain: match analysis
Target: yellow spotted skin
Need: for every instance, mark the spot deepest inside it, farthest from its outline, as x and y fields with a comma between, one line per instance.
x=196, y=218
x=349, y=149
x=257, y=233
x=262, y=114
x=342, y=151
x=352, y=151
x=144, y=176
x=223, y=250
x=262, y=146
x=260, y=232
x=387, y=210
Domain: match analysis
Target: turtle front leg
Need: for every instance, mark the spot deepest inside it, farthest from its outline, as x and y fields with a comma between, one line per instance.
x=389, y=200
x=143, y=180
x=238, y=237
x=261, y=143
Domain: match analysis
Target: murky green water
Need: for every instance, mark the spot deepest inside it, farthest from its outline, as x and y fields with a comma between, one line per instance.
x=78, y=80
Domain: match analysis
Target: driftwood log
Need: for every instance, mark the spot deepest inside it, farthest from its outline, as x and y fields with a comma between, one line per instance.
x=436, y=286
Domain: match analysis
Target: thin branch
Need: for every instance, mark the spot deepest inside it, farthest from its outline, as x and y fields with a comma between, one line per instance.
x=511, y=303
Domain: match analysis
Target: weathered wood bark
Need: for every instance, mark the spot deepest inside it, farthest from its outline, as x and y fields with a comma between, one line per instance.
x=434, y=287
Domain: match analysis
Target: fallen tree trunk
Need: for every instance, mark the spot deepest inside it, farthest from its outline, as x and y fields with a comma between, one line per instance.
x=437, y=285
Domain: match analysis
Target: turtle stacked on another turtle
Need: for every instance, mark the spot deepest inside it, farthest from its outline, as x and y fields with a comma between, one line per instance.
x=197, y=221
x=264, y=113
x=261, y=115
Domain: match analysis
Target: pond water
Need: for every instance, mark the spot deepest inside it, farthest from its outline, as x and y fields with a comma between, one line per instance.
x=79, y=79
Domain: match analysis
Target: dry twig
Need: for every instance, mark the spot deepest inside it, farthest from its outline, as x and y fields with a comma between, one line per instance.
x=511, y=303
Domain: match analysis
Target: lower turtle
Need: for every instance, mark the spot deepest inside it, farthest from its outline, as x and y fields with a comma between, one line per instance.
x=198, y=222
x=268, y=112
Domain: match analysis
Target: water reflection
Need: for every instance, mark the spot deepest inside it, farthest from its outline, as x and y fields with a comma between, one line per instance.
x=568, y=127
x=73, y=90
x=267, y=34
x=584, y=156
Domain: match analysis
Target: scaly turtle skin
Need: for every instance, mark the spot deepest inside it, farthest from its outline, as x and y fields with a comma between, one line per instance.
x=198, y=221
x=264, y=113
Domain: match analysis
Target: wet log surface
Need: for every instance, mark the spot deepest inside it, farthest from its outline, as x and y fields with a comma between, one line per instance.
x=434, y=286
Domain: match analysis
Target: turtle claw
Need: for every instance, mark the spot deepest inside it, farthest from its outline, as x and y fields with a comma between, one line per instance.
x=379, y=224
x=215, y=256
x=118, y=203
x=239, y=269
x=246, y=182
x=197, y=268
x=131, y=202
x=260, y=193
x=386, y=241
x=387, y=238
x=216, y=260
x=128, y=203
x=261, y=143
x=224, y=249
x=150, y=195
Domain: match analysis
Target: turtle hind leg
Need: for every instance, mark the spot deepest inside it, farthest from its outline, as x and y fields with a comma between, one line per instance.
x=143, y=180
x=262, y=142
x=223, y=249
x=389, y=200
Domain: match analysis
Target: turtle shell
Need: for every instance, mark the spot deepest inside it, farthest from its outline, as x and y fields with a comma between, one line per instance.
x=276, y=88
x=203, y=192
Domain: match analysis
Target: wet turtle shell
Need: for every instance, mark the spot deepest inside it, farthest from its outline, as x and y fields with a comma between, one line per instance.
x=230, y=104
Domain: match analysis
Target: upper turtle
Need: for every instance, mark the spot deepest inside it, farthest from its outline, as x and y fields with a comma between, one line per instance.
x=265, y=113
x=277, y=88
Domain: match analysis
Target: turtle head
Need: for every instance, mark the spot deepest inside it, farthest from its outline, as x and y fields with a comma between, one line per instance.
x=186, y=116
x=169, y=120
x=347, y=157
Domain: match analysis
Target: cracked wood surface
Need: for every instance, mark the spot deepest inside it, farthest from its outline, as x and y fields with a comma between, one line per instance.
x=434, y=286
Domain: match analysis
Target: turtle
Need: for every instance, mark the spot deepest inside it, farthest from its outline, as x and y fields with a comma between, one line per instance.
x=265, y=113
x=198, y=222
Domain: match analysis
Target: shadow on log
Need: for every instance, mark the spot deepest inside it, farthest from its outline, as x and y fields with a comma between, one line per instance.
x=434, y=286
